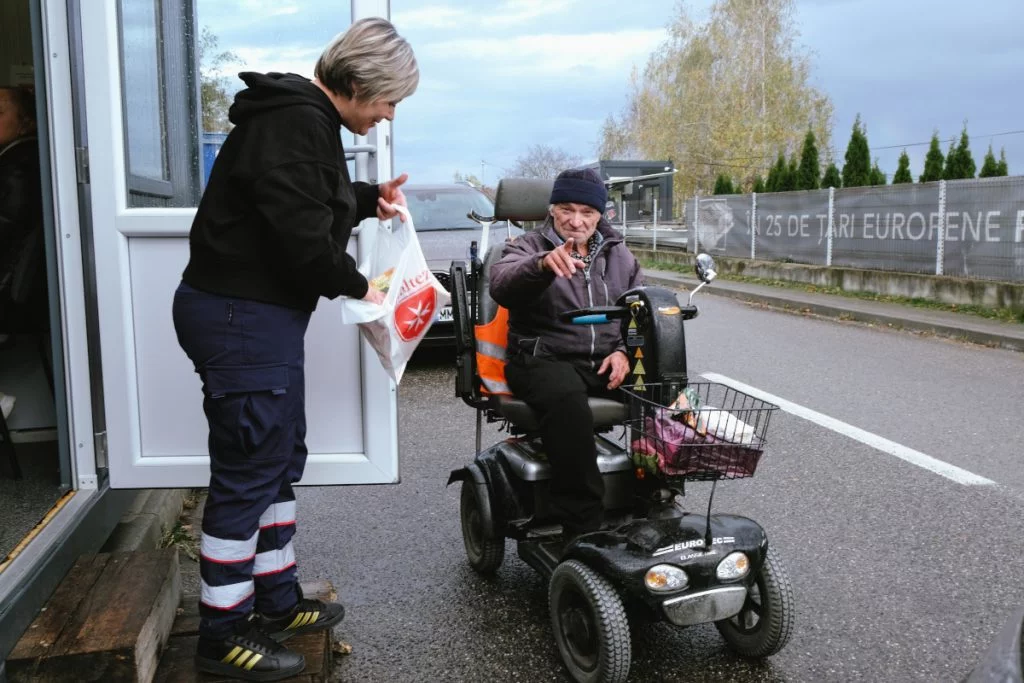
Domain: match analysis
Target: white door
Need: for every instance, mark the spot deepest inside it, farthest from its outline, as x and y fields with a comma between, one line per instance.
x=146, y=168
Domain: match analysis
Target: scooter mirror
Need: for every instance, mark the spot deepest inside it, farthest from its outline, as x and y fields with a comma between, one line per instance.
x=705, y=268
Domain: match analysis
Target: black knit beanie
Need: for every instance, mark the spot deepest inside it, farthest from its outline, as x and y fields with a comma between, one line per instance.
x=580, y=186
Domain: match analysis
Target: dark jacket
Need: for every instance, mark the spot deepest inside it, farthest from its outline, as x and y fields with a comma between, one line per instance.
x=534, y=297
x=279, y=208
x=22, y=269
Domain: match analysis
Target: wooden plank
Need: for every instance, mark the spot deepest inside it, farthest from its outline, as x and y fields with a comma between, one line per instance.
x=55, y=616
x=119, y=626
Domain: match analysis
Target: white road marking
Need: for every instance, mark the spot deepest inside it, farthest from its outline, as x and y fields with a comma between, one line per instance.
x=951, y=472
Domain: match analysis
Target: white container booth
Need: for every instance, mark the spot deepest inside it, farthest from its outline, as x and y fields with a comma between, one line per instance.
x=120, y=91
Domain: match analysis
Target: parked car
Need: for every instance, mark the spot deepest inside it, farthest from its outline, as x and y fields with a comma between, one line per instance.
x=441, y=214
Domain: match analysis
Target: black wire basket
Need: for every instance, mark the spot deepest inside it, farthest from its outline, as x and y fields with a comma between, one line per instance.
x=701, y=431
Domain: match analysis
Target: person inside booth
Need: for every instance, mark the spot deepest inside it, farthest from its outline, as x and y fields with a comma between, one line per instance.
x=575, y=259
x=23, y=304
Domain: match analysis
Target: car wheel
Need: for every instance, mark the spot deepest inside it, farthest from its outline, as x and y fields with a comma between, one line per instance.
x=589, y=624
x=763, y=625
x=485, y=554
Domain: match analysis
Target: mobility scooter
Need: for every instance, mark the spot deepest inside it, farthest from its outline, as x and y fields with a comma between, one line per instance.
x=652, y=555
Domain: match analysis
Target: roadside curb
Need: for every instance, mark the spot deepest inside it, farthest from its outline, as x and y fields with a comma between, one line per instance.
x=143, y=525
x=975, y=336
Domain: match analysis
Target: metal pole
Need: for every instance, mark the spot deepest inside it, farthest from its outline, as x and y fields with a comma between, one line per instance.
x=696, y=222
x=754, y=225
x=373, y=168
x=831, y=222
x=940, y=248
x=655, y=223
x=624, y=202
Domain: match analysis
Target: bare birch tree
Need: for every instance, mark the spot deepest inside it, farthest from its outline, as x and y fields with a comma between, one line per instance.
x=723, y=97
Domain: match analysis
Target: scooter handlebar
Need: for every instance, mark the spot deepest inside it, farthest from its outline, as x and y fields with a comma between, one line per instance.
x=595, y=315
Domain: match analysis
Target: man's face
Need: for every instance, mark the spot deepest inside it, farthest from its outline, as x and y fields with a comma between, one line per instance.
x=578, y=221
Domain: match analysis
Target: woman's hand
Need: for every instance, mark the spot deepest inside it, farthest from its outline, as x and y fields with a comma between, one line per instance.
x=391, y=193
x=374, y=296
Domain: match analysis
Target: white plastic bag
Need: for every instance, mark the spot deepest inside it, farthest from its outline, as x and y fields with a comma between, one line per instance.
x=394, y=261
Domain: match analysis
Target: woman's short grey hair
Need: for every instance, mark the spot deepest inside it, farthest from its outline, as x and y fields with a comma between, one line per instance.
x=369, y=61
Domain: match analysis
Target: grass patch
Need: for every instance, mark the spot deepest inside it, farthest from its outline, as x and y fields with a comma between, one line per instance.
x=181, y=537
x=1001, y=314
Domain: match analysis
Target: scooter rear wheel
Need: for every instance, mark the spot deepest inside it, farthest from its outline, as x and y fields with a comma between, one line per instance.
x=485, y=554
x=589, y=624
x=763, y=626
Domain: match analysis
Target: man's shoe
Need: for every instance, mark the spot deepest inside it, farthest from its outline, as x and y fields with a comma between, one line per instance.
x=251, y=655
x=307, y=616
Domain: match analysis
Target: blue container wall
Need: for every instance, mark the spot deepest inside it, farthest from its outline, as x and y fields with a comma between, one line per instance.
x=211, y=146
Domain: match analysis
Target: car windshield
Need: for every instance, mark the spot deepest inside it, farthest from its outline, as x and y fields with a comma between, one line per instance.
x=446, y=209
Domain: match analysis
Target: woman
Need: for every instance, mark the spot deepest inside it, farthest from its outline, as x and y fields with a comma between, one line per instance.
x=22, y=282
x=268, y=240
x=21, y=207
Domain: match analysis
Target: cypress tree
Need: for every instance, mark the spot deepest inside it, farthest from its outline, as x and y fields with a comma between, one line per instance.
x=932, y=162
x=832, y=177
x=989, y=167
x=790, y=175
x=776, y=175
x=902, y=174
x=877, y=177
x=1003, y=169
x=951, y=170
x=965, y=167
x=723, y=184
x=759, y=185
x=810, y=170
x=857, y=168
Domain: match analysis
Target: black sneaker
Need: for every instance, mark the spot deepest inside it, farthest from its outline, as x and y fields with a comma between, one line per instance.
x=307, y=616
x=251, y=655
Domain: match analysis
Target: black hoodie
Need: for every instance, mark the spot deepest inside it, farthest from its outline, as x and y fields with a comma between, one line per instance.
x=279, y=208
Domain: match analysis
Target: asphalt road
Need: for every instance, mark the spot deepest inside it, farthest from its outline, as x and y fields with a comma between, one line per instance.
x=900, y=574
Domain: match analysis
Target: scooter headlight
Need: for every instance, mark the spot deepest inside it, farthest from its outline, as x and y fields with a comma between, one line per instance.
x=663, y=578
x=734, y=566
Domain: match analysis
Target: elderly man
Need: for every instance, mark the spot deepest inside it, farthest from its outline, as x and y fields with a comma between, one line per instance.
x=574, y=260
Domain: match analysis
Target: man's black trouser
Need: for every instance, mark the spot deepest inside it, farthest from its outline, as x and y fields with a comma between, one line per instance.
x=557, y=392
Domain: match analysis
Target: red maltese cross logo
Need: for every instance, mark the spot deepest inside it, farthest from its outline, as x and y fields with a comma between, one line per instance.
x=415, y=312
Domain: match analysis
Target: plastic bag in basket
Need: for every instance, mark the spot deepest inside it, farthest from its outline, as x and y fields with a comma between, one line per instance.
x=675, y=449
x=395, y=265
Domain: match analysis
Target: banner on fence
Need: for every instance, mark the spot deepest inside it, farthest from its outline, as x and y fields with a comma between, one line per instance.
x=967, y=228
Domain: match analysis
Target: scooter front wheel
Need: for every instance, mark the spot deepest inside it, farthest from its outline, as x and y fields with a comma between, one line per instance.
x=485, y=554
x=590, y=624
x=763, y=626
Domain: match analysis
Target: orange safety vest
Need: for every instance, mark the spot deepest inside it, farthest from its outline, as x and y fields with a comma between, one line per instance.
x=491, y=343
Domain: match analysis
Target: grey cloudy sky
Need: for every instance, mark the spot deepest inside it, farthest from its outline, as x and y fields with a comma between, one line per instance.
x=500, y=75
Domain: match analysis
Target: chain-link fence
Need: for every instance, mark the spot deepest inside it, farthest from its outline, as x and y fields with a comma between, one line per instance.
x=965, y=228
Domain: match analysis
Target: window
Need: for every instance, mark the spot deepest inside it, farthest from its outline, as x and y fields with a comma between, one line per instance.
x=159, y=101
x=140, y=34
x=446, y=208
x=179, y=73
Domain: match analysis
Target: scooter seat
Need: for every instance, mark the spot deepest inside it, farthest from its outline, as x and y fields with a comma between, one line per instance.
x=606, y=412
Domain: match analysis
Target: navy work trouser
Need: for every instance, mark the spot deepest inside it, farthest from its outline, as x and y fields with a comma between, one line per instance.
x=249, y=356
